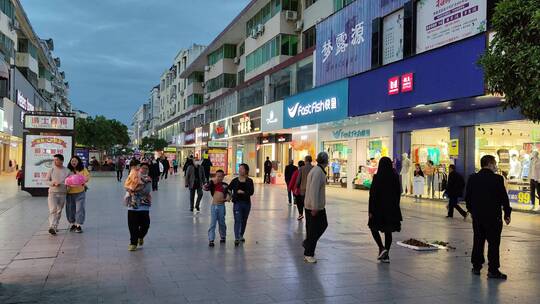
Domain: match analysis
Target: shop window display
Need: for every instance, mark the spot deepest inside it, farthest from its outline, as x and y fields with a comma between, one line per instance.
x=374, y=149
x=514, y=145
x=338, y=152
x=429, y=149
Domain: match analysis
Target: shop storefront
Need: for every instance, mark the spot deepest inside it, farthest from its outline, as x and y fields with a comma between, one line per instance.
x=355, y=147
x=11, y=133
x=243, y=143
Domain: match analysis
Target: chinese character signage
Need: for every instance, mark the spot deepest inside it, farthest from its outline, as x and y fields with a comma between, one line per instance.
x=393, y=85
x=392, y=46
x=246, y=123
x=453, y=148
x=322, y=104
x=407, y=82
x=24, y=102
x=218, y=157
x=84, y=154
x=220, y=129
x=189, y=137
x=39, y=153
x=440, y=22
x=344, y=42
x=49, y=122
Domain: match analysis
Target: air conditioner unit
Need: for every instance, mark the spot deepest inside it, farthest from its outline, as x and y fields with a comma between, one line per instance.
x=291, y=15
x=260, y=29
x=14, y=25
x=207, y=96
x=236, y=60
x=207, y=68
x=181, y=92
x=299, y=26
x=203, y=84
x=253, y=33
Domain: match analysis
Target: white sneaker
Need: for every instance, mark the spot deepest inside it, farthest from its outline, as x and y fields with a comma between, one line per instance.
x=310, y=259
x=382, y=254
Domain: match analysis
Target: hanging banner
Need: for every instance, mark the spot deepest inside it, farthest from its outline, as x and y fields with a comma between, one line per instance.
x=441, y=22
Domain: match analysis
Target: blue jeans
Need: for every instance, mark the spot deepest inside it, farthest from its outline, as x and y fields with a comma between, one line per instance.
x=217, y=213
x=241, y=214
x=75, y=211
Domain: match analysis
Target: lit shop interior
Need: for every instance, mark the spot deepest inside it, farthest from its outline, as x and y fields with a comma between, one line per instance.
x=10, y=151
x=278, y=149
x=512, y=144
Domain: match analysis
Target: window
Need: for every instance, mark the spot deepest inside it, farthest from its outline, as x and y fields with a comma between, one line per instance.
x=195, y=77
x=290, y=5
x=241, y=77
x=251, y=97
x=241, y=49
x=263, y=15
x=222, y=81
x=339, y=4
x=195, y=99
x=7, y=46
x=7, y=8
x=225, y=51
x=279, y=45
x=310, y=3
x=310, y=38
x=304, y=75
x=281, y=84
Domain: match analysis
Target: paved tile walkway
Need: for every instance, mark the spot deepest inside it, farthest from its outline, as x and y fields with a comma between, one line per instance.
x=177, y=266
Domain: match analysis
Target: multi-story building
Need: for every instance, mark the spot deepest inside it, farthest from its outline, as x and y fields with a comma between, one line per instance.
x=154, y=102
x=30, y=79
x=140, y=124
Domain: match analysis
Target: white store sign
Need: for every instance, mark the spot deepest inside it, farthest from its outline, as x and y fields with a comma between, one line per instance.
x=441, y=22
x=272, y=116
x=379, y=129
x=39, y=153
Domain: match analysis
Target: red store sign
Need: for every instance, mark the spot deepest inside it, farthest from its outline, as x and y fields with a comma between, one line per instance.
x=403, y=84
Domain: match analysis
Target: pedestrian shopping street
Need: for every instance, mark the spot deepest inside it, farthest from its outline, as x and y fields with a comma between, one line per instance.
x=177, y=266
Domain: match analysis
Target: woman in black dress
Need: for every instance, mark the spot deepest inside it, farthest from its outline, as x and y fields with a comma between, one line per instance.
x=384, y=210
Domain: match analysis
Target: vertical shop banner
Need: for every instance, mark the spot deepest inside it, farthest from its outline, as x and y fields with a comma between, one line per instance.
x=344, y=42
x=39, y=152
x=440, y=22
x=393, y=37
x=84, y=154
x=218, y=157
x=322, y=104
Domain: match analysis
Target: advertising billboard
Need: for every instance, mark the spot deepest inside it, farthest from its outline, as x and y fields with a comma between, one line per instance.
x=38, y=157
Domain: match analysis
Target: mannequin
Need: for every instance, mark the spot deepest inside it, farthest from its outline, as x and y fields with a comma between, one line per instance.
x=515, y=167
x=534, y=175
x=525, y=166
x=405, y=173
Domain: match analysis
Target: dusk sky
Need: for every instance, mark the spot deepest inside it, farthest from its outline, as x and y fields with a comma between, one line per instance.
x=114, y=51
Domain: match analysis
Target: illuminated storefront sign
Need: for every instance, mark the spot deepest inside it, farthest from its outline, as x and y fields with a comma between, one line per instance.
x=49, y=122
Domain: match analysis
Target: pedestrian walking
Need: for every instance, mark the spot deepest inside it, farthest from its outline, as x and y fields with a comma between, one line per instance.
x=384, y=211
x=267, y=170
x=166, y=167
x=296, y=191
x=57, y=191
x=454, y=190
x=242, y=189
x=301, y=183
x=485, y=197
x=119, y=166
x=189, y=162
x=154, y=173
x=290, y=169
x=207, y=165
x=315, y=200
x=138, y=201
x=175, y=166
x=195, y=182
x=220, y=194
x=76, y=196
x=20, y=176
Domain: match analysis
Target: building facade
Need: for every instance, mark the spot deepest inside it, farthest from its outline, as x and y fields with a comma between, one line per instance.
x=30, y=80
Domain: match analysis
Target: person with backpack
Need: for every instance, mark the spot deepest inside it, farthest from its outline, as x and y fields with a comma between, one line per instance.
x=454, y=190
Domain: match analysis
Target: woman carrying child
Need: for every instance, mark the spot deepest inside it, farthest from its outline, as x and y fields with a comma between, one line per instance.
x=138, y=200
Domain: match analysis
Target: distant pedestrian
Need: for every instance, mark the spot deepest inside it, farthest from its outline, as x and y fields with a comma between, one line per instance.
x=76, y=196
x=166, y=167
x=242, y=189
x=316, y=221
x=139, y=207
x=384, y=211
x=154, y=173
x=429, y=172
x=207, y=165
x=301, y=183
x=267, y=170
x=485, y=197
x=296, y=191
x=220, y=194
x=454, y=190
x=119, y=166
x=175, y=166
x=418, y=182
x=195, y=182
x=336, y=168
x=20, y=176
x=57, y=191
x=127, y=164
x=290, y=169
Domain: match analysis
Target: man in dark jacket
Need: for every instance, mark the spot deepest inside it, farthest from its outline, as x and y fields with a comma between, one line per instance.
x=154, y=173
x=206, y=164
x=454, y=190
x=485, y=196
x=166, y=167
x=195, y=181
x=289, y=171
x=189, y=162
x=267, y=170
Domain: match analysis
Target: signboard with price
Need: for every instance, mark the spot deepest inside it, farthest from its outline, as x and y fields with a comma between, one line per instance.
x=38, y=160
x=519, y=197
